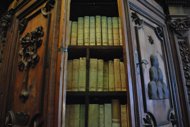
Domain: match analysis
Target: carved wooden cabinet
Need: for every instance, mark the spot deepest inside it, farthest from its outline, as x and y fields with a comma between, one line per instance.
x=33, y=64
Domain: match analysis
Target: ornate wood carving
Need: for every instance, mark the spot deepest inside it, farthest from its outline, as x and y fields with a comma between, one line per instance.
x=47, y=8
x=148, y=120
x=157, y=89
x=172, y=117
x=138, y=22
x=29, y=58
x=159, y=33
x=180, y=25
x=4, y=25
x=23, y=25
x=19, y=118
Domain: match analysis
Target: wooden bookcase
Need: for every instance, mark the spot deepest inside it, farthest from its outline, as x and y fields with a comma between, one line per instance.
x=81, y=8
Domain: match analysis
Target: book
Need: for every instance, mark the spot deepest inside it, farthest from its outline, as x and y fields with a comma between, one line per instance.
x=110, y=31
x=67, y=116
x=93, y=115
x=111, y=76
x=82, y=115
x=100, y=82
x=115, y=27
x=68, y=34
x=82, y=74
x=101, y=116
x=108, y=115
x=105, y=76
x=123, y=77
x=86, y=30
x=117, y=79
x=69, y=75
x=92, y=31
x=75, y=74
x=76, y=115
x=104, y=30
x=120, y=32
x=98, y=30
x=124, y=116
x=93, y=74
x=116, y=113
x=74, y=33
x=80, y=30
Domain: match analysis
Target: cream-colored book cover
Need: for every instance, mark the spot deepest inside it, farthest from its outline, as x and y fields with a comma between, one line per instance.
x=75, y=75
x=98, y=30
x=101, y=116
x=117, y=79
x=93, y=74
x=108, y=115
x=80, y=31
x=120, y=32
x=115, y=27
x=93, y=115
x=69, y=75
x=86, y=30
x=104, y=30
x=110, y=32
x=124, y=119
x=82, y=74
x=92, y=31
x=106, y=79
x=74, y=33
x=116, y=113
x=123, y=77
x=100, y=82
x=111, y=76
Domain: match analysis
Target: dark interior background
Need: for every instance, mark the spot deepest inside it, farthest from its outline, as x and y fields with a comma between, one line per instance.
x=5, y=3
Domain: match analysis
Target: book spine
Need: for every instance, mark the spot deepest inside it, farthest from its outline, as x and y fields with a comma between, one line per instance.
x=111, y=76
x=120, y=32
x=92, y=31
x=105, y=75
x=123, y=77
x=68, y=34
x=86, y=30
x=116, y=113
x=82, y=74
x=104, y=31
x=76, y=115
x=93, y=115
x=80, y=30
x=115, y=27
x=110, y=32
x=74, y=33
x=124, y=116
x=108, y=115
x=101, y=116
x=82, y=115
x=98, y=30
x=75, y=74
x=117, y=80
x=69, y=75
x=93, y=75
x=100, y=82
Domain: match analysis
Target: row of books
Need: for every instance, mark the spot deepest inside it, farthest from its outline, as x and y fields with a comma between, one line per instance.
x=103, y=75
x=96, y=30
x=99, y=115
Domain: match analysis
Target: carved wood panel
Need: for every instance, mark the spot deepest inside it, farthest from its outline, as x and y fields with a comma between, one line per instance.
x=30, y=65
x=154, y=78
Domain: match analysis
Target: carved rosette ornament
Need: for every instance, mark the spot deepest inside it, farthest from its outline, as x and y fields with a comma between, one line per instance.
x=4, y=25
x=148, y=120
x=29, y=58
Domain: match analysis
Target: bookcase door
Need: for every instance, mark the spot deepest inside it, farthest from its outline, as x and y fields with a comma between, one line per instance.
x=154, y=82
x=28, y=78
